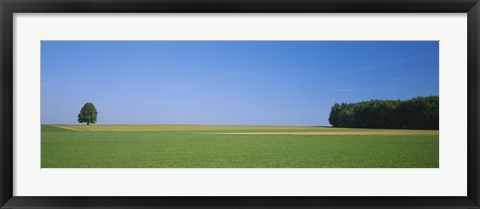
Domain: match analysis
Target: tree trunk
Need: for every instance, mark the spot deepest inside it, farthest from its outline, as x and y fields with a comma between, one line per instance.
x=88, y=123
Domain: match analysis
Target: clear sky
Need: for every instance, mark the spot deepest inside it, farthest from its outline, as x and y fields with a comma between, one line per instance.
x=228, y=82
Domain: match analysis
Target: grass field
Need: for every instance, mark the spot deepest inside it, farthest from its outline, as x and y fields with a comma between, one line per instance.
x=199, y=146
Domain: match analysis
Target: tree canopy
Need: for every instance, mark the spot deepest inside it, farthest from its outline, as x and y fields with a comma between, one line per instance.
x=416, y=113
x=88, y=114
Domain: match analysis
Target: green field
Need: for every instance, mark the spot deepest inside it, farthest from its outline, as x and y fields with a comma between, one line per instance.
x=199, y=146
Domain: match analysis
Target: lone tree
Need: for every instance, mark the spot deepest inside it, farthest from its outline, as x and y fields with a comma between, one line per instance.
x=88, y=114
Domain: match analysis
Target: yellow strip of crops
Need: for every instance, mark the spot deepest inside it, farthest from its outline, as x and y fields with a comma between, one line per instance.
x=248, y=130
x=366, y=132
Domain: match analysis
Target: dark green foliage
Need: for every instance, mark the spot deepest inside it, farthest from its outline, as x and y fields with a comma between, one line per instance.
x=416, y=113
x=88, y=114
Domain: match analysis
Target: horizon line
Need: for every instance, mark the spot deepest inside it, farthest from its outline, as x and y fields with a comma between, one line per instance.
x=176, y=124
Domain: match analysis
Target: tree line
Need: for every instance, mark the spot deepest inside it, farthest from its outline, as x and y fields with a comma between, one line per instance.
x=415, y=113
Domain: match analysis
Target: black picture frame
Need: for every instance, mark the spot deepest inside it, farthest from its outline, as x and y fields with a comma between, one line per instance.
x=9, y=7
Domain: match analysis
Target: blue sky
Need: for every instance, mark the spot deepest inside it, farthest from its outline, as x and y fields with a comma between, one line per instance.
x=228, y=82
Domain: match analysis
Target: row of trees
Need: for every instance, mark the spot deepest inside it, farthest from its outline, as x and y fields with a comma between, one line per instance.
x=416, y=113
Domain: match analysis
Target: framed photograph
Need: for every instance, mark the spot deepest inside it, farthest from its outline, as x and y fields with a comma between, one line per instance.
x=239, y=104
